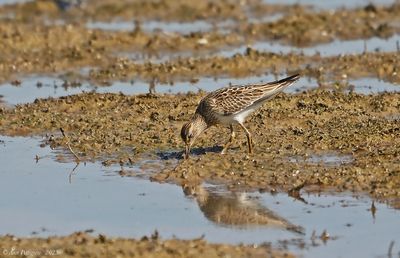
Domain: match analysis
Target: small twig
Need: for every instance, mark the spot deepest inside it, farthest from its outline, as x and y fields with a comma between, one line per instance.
x=69, y=146
x=72, y=173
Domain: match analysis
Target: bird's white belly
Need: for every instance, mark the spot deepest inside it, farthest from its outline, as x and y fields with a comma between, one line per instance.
x=226, y=120
x=239, y=117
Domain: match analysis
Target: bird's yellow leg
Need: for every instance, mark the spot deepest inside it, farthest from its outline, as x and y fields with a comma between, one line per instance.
x=231, y=138
x=249, y=139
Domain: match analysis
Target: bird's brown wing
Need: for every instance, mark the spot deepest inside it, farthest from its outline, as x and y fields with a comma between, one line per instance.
x=230, y=100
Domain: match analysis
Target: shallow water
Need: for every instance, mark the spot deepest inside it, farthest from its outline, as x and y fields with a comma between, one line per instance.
x=38, y=198
x=3, y=2
x=325, y=159
x=43, y=198
x=167, y=27
x=372, y=86
x=334, y=48
x=29, y=90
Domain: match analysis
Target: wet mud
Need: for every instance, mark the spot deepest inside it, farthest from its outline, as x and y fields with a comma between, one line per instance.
x=253, y=62
x=362, y=127
x=30, y=48
x=32, y=42
x=82, y=244
x=306, y=28
x=315, y=141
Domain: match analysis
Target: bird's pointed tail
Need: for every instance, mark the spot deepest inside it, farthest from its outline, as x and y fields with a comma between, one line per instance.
x=287, y=81
x=273, y=88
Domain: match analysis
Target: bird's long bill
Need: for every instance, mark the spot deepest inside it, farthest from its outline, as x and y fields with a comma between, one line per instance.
x=187, y=151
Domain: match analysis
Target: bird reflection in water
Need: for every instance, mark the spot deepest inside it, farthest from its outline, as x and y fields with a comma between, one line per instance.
x=236, y=209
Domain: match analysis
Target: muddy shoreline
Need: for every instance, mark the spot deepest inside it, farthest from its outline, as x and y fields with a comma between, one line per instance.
x=30, y=45
x=364, y=128
x=324, y=140
x=82, y=244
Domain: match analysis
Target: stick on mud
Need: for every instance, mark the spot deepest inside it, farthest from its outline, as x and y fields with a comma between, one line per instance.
x=68, y=145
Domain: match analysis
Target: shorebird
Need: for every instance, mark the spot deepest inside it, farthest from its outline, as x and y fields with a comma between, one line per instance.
x=229, y=106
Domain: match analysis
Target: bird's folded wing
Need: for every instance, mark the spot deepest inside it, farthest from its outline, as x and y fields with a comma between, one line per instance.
x=234, y=99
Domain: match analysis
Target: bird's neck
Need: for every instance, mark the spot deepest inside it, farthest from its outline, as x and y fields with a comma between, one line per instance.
x=199, y=121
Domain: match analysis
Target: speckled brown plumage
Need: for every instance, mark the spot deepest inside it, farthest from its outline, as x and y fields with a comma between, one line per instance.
x=234, y=99
x=231, y=105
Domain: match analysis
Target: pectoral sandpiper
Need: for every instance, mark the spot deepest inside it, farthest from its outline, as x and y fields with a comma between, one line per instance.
x=229, y=106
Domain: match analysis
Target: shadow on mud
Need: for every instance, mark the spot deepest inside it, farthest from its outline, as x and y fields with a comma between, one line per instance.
x=172, y=155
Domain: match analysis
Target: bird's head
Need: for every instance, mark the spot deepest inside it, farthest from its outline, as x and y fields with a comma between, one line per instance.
x=190, y=131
